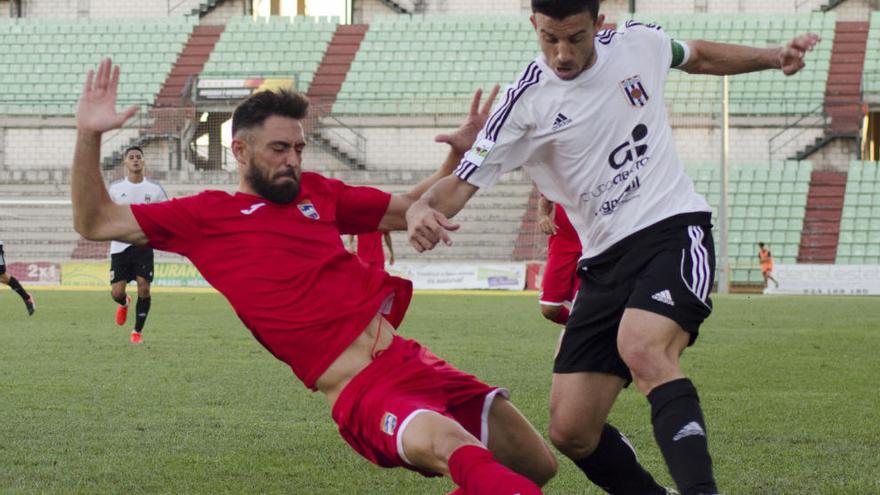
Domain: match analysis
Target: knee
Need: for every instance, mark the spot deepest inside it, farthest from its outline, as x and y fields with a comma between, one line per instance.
x=117, y=292
x=550, y=312
x=544, y=468
x=575, y=443
x=143, y=290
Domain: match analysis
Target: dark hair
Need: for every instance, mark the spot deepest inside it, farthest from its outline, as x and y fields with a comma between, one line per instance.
x=560, y=9
x=260, y=106
x=760, y=244
x=133, y=148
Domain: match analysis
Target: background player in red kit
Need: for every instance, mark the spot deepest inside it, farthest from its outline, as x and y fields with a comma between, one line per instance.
x=395, y=402
x=560, y=282
x=368, y=247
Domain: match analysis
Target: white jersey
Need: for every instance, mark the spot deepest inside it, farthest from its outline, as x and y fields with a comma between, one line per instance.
x=124, y=192
x=600, y=145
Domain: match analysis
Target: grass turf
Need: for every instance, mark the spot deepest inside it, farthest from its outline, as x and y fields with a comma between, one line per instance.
x=788, y=386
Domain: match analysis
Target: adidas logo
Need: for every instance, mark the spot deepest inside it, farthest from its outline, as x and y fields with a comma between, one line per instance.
x=665, y=297
x=560, y=122
x=689, y=430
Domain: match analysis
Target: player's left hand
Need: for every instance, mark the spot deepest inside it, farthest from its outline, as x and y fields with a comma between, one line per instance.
x=463, y=138
x=96, y=110
x=791, y=57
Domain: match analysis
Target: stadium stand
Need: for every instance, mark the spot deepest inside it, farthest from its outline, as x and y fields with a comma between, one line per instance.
x=45, y=59
x=860, y=225
x=760, y=93
x=414, y=65
x=767, y=203
x=281, y=47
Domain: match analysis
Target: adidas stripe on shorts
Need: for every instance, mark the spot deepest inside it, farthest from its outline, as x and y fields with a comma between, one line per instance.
x=667, y=268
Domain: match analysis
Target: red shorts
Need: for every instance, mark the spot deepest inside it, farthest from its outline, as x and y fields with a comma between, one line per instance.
x=406, y=379
x=560, y=281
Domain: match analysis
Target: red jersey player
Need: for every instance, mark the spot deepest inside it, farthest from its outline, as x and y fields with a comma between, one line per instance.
x=560, y=282
x=368, y=247
x=312, y=304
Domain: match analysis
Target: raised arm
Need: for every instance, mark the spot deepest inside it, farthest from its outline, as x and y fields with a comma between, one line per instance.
x=708, y=57
x=460, y=141
x=95, y=215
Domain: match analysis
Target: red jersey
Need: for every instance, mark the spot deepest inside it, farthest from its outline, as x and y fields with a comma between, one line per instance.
x=284, y=268
x=369, y=247
x=566, y=239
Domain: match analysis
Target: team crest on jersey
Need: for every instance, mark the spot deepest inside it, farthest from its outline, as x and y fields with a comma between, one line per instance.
x=389, y=423
x=147, y=198
x=308, y=210
x=635, y=91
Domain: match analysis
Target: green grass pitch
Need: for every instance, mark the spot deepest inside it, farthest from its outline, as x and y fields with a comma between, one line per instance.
x=789, y=387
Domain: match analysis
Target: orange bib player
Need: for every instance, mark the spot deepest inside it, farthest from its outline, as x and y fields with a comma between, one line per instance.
x=766, y=260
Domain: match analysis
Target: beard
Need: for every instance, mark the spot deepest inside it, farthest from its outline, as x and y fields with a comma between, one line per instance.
x=265, y=187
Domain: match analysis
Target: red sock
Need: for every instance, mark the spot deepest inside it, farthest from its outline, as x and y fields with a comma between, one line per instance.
x=476, y=471
x=562, y=316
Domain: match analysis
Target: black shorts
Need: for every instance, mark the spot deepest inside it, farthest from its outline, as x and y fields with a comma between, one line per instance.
x=133, y=262
x=2, y=261
x=667, y=268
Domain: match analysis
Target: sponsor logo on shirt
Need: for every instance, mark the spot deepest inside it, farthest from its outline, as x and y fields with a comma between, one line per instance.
x=254, y=207
x=630, y=150
x=389, y=423
x=480, y=151
x=308, y=210
x=629, y=153
x=560, y=122
x=635, y=91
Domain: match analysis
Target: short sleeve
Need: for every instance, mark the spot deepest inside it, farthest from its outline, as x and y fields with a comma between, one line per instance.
x=170, y=225
x=360, y=209
x=500, y=147
x=652, y=41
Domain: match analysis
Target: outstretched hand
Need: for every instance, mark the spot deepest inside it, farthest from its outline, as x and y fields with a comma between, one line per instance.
x=791, y=57
x=96, y=111
x=462, y=139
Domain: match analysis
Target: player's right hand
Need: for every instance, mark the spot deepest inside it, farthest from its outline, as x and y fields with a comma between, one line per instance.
x=96, y=110
x=547, y=226
x=427, y=226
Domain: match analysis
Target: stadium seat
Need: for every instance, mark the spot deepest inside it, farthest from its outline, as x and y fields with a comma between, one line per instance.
x=46, y=59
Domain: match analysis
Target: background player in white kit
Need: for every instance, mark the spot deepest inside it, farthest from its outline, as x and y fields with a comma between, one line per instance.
x=128, y=262
x=587, y=121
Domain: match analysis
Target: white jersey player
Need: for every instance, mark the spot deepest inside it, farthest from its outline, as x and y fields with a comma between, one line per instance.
x=587, y=121
x=128, y=262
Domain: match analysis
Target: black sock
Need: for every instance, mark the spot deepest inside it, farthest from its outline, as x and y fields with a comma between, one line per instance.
x=614, y=468
x=681, y=434
x=121, y=300
x=16, y=286
x=143, y=308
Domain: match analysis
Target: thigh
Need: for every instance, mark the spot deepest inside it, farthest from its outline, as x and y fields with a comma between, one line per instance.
x=677, y=280
x=121, y=268
x=589, y=341
x=580, y=402
x=143, y=264
x=517, y=444
x=560, y=274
